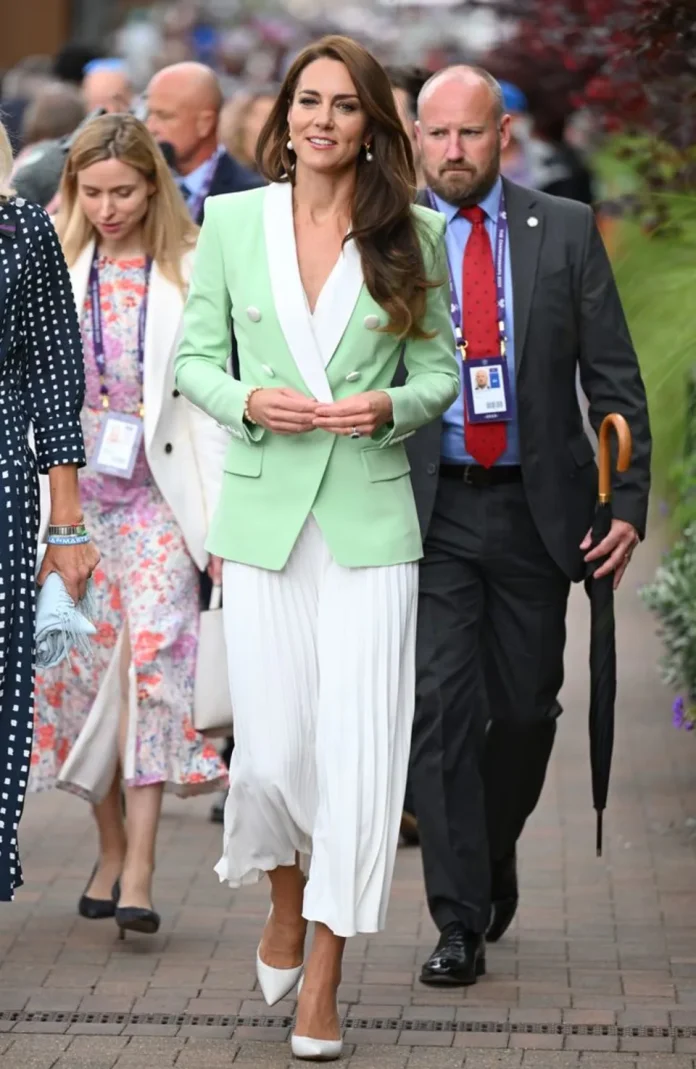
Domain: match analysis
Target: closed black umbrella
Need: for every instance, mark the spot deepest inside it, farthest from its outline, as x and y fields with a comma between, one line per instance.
x=602, y=632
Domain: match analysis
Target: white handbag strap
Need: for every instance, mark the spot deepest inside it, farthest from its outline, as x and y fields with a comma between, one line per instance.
x=216, y=596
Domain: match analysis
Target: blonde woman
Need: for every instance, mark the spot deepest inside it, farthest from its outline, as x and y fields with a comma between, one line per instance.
x=125, y=716
x=39, y=344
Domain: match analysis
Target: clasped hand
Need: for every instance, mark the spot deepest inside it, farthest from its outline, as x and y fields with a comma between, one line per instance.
x=286, y=411
x=74, y=564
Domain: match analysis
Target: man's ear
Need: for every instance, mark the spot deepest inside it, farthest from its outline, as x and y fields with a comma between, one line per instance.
x=206, y=123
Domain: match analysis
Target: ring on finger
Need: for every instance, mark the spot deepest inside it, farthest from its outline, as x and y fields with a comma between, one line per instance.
x=355, y=433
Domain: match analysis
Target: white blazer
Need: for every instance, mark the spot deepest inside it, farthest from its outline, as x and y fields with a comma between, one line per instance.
x=184, y=447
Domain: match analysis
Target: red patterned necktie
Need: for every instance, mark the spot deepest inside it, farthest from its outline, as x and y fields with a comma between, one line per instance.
x=485, y=442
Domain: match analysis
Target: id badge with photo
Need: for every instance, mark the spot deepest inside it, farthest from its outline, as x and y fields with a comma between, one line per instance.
x=487, y=390
x=116, y=449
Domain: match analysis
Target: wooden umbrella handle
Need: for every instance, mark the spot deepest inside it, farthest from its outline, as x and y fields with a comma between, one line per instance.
x=623, y=434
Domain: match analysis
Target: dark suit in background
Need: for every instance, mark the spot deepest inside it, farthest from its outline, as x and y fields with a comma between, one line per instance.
x=499, y=560
x=229, y=177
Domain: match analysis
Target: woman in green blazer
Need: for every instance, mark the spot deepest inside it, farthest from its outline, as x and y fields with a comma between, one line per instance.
x=327, y=275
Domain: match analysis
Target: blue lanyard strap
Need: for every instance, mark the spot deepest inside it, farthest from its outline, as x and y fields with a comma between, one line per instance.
x=499, y=262
x=98, y=328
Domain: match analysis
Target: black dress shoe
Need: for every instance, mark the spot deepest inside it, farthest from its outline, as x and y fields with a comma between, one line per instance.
x=458, y=959
x=137, y=919
x=504, y=897
x=98, y=909
x=409, y=829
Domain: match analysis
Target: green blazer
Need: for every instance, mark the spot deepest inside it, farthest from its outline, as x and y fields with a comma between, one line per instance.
x=359, y=491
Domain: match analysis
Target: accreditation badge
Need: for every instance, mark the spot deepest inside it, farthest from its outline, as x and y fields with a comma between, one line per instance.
x=487, y=390
x=116, y=448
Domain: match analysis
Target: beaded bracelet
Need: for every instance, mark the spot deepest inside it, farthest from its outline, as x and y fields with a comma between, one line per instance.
x=68, y=540
x=247, y=399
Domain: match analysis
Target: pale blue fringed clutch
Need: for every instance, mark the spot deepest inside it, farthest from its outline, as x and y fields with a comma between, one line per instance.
x=60, y=624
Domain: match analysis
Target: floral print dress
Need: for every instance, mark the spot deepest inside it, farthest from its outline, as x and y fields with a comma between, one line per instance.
x=146, y=579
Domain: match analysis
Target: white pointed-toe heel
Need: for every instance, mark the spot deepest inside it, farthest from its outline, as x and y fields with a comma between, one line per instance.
x=315, y=1050
x=275, y=984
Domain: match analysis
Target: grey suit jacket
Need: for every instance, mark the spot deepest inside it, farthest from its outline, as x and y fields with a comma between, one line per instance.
x=568, y=316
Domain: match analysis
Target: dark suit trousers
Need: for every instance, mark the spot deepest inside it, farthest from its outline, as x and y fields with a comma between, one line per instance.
x=491, y=634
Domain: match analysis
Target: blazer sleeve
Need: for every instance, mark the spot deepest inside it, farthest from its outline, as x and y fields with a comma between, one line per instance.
x=204, y=349
x=610, y=375
x=432, y=369
x=54, y=377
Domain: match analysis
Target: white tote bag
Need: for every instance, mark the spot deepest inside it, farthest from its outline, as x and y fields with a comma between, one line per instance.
x=212, y=708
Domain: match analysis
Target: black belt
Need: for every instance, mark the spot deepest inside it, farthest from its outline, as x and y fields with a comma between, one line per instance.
x=475, y=475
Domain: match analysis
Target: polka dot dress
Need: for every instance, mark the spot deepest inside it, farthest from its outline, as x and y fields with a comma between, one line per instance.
x=42, y=382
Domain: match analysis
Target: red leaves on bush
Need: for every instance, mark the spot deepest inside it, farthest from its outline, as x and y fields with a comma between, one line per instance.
x=632, y=62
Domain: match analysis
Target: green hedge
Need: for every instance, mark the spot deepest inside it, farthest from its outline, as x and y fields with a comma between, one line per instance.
x=656, y=274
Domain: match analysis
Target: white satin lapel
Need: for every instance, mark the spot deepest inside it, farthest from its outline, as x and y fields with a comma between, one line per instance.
x=337, y=301
x=288, y=294
x=165, y=306
x=79, y=277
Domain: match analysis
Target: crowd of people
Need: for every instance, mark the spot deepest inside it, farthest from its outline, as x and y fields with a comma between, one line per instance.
x=319, y=347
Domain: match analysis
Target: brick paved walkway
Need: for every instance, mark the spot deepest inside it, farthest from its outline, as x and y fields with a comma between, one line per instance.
x=600, y=970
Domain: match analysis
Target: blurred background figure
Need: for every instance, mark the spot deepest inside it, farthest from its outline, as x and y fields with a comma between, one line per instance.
x=184, y=103
x=106, y=85
x=56, y=110
x=73, y=59
x=406, y=83
x=559, y=168
x=540, y=93
x=241, y=122
x=19, y=87
x=515, y=162
x=39, y=176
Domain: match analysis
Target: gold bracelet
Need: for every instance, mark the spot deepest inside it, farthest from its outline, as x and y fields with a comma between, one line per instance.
x=247, y=418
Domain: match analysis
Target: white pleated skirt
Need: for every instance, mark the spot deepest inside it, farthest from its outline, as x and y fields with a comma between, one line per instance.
x=322, y=676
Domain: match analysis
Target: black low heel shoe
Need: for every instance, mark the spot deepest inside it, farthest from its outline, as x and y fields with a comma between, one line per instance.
x=99, y=909
x=135, y=919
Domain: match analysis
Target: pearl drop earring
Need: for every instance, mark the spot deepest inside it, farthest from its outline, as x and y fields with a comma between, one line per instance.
x=290, y=146
x=368, y=155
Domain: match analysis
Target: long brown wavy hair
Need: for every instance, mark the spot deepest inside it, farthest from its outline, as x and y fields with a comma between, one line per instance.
x=384, y=228
x=168, y=231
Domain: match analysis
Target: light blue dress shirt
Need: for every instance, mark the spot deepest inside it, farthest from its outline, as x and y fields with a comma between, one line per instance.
x=456, y=237
x=194, y=183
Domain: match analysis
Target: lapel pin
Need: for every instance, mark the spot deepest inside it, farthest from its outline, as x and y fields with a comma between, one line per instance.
x=532, y=221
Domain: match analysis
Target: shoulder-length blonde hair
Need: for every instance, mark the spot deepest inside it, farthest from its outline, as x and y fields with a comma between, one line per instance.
x=168, y=230
x=5, y=164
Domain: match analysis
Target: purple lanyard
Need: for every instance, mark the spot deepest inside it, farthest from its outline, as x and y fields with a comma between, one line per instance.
x=196, y=203
x=499, y=260
x=98, y=328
